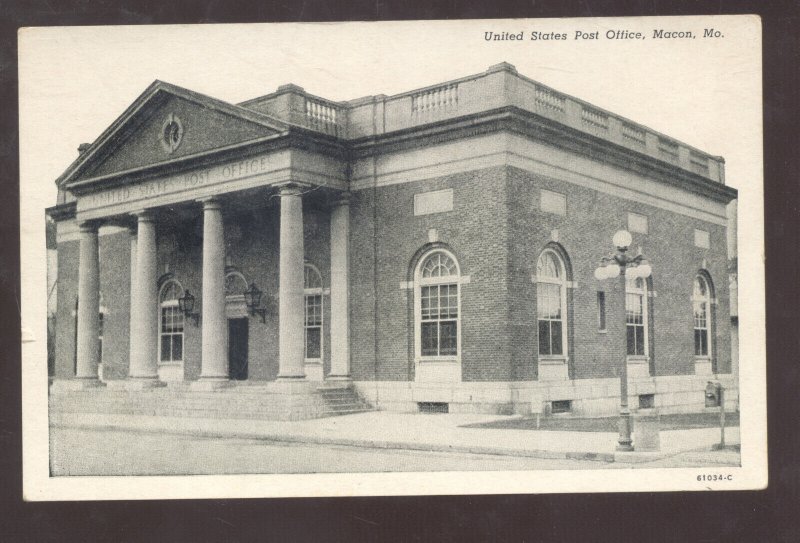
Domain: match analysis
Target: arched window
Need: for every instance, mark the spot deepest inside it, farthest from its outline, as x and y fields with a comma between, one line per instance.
x=235, y=284
x=171, y=323
x=636, y=315
x=551, y=303
x=313, y=313
x=438, y=316
x=701, y=301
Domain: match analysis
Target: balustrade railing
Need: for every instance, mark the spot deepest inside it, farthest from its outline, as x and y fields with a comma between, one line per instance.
x=594, y=119
x=322, y=117
x=476, y=94
x=436, y=99
x=633, y=133
x=545, y=98
x=668, y=149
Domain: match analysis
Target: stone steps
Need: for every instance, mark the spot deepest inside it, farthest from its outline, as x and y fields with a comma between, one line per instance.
x=255, y=402
x=342, y=400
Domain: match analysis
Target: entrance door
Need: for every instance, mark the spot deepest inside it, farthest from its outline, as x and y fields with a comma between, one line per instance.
x=237, y=348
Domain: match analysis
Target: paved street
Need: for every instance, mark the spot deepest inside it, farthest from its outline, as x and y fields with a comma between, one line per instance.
x=113, y=452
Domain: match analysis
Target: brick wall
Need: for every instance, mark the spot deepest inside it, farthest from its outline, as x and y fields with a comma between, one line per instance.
x=585, y=234
x=496, y=230
x=115, y=276
x=65, y=316
x=386, y=231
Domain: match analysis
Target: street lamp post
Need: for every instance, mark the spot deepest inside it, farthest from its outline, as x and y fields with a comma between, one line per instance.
x=611, y=267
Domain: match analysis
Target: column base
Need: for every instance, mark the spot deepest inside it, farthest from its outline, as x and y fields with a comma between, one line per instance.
x=290, y=378
x=293, y=386
x=210, y=384
x=314, y=371
x=339, y=378
x=79, y=383
x=142, y=383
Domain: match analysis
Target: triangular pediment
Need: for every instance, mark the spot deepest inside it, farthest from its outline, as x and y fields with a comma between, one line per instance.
x=167, y=124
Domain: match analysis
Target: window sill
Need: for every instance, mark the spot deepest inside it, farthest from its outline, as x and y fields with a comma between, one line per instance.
x=552, y=360
x=638, y=359
x=172, y=363
x=602, y=331
x=423, y=359
x=312, y=361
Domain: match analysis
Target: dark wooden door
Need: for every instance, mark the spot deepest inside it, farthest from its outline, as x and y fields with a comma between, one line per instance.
x=237, y=348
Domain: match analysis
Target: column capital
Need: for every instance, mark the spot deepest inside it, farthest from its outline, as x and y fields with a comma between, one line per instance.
x=292, y=188
x=90, y=226
x=341, y=199
x=211, y=202
x=144, y=215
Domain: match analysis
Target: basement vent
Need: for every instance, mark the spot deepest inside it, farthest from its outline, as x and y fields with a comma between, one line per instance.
x=561, y=406
x=433, y=407
x=647, y=401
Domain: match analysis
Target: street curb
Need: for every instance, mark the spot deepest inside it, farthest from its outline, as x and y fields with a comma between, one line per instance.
x=634, y=457
x=348, y=442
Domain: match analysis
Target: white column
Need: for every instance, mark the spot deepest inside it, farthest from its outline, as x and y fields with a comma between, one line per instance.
x=144, y=302
x=290, y=298
x=88, y=346
x=133, y=229
x=214, y=324
x=340, y=291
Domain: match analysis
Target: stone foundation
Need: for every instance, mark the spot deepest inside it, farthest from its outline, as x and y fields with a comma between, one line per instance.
x=588, y=397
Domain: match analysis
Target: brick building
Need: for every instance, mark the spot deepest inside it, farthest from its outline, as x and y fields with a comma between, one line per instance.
x=434, y=247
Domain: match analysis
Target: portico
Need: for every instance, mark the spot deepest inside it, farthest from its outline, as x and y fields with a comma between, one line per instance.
x=185, y=223
x=216, y=257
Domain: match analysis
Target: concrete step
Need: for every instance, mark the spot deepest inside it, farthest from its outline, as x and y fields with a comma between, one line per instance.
x=345, y=412
x=241, y=402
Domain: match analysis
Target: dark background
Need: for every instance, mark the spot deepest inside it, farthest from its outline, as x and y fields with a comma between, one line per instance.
x=769, y=515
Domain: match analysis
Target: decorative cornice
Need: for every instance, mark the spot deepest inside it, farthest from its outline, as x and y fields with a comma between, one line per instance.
x=62, y=212
x=507, y=118
x=293, y=138
x=537, y=127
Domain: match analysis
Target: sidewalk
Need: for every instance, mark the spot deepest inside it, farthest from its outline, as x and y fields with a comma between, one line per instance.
x=414, y=431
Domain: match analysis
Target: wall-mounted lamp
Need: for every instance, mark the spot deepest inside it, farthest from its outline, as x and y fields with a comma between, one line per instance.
x=252, y=296
x=186, y=305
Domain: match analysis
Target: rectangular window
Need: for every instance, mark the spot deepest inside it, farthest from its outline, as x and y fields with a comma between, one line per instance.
x=700, y=343
x=647, y=401
x=437, y=201
x=439, y=332
x=553, y=202
x=548, y=308
x=700, y=329
x=701, y=239
x=171, y=334
x=601, y=310
x=560, y=406
x=634, y=318
x=637, y=223
x=313, y=326
x=433, y=407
